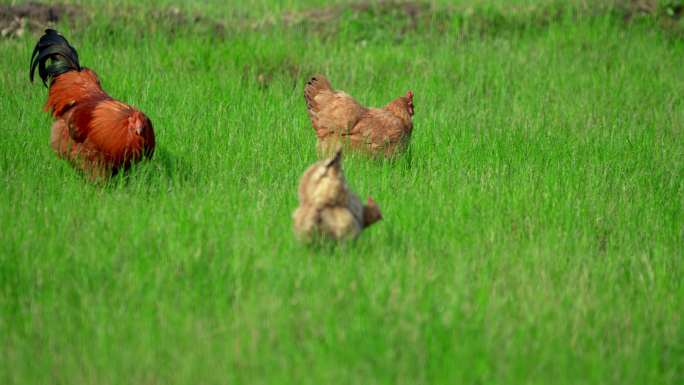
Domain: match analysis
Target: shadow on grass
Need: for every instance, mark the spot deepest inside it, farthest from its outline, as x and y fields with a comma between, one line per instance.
x=165, y=170
x=329, y=248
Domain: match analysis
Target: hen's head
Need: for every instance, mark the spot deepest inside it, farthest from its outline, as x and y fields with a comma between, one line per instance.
x=402, y=107
x=371, y=213
x=323, y=183
x=141, y=134
x=140, y=126
x=409, y=102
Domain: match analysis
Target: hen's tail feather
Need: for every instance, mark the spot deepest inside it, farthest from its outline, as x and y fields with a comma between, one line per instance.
x=53, y=46
x=313, y=87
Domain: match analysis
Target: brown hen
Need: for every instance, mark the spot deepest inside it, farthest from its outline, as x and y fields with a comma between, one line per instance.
x=339, y=119
x=327, y=209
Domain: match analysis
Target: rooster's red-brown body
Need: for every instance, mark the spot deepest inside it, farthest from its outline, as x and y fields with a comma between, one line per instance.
x=97, y=133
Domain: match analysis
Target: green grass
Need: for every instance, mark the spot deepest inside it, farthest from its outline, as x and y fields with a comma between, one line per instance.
x=534, y=233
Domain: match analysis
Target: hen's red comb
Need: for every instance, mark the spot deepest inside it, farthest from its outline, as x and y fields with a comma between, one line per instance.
x=409, y=94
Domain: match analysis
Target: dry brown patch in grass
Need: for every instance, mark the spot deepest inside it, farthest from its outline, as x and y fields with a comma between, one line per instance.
x=411, y=10
x=407, y=13
x=15, y=20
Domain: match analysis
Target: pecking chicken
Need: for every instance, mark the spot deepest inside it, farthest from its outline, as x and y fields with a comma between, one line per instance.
x=97, y=133
x=326, y=206
x=339, y=119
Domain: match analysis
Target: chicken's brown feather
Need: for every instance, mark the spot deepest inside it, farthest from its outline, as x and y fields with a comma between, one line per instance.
x=315, y=85
x=103, y=134
x=327, y=207
x=339, y=119
x=71, y=88
x=333, y=114
x=116, y=130
x=91, y=129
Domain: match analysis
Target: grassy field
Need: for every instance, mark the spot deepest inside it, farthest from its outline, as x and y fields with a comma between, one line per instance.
x=534, y=233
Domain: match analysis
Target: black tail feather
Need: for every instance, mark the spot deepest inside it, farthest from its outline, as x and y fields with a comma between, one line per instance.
x=53, y=46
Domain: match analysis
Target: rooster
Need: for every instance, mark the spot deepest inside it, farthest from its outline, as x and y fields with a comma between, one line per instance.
x=339, y=119
x=326, y=206
x=97, y=133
